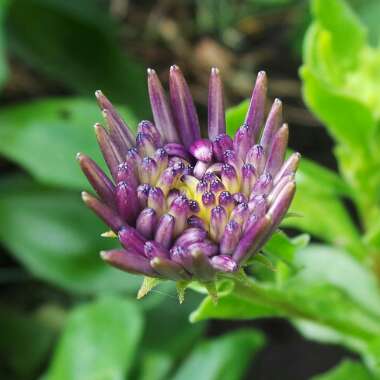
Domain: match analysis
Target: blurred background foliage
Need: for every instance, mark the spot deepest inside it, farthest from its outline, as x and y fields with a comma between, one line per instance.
x=66, y=315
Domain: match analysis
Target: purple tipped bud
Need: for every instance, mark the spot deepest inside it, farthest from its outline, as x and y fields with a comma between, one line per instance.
x=289, y=167
x=216, y=186
x=183, y=107
x=130, y=239
x=169, y=269
x=126, y=173
x=230, y=179
x=194, y=206
x=230, y=238
x=148, y=171
x=162, y=158
x=190, y=236
x=167, y=180
x=202, y=150
x=258, y=205
x=240, y=198
x=110, y=152
x=216, y=117
x=99, y=181
x=177, y=150
x=256, y=109
x=200, y=169
x=224, y=263
x=215, y=168
x=248, y=179
x=272, y=124
x=277, y=150
x=218, y=222
x=263, y=184
x=240, y=214
x=162, y=113
x=206, y=246
x=182, y=256
x=148, y=128
x=256, y=158
x=147, y=222
x=116, y=124
x=173, y=194
x=153, y=249
x=208, y=199
x=226, y=200
x=279, y=186
x=281, y=204
x=156, y=200
x=165, y=230
x=231, y=158
x=242, y=141
x=133, y=159
x=128, y=262
x=202, y=187
x=252, y=239
x=195, y=221
x=108, y=215
x=142, y=194
x=145, y=145
x=220, y=144
x=126, y=202
x=180, y=210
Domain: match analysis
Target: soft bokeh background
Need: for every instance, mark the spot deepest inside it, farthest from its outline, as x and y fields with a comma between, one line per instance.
x=53, y=55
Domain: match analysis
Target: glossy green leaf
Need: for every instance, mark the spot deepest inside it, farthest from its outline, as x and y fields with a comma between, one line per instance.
x=44, y=136
x=99, y=341
x=155, y=366
x=80, y=50
x=58, y=239
x=224, y=358
x=347, y=369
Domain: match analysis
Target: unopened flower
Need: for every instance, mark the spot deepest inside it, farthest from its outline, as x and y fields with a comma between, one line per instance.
x=184, y=207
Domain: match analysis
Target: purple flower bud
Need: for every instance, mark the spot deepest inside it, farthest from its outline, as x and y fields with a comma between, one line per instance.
x=126, y=173
x=99, y=181
x=277, y=150
x=153, y=249
x=207, y=247
x=242, y=141
x=162, y=113
x=173, y=194
x=240, y=214
x=240, y=198
x=216, y=118
x=279, y=186
x=142, y=194
x=126, y=202
x=202, y=187
x=224, y=263
x=289, y=167
x=195, y=221
x=194, y=206
x=226, y=200
x=156, y=200
x=177, y=150
x=185, y=115
x=146, y=223
x=230, y=179
x=231, y=158
x=215, y=168
x=133, y=159
x=230, y=238
x=263, y=184
x=208, y=199
x=202, y=150
x=148, y=171
x=190, y=236
x=220, y=144
x=132, y=240
x=216, y=186
x=248, y=179
x=129, y=262
x=180, y=210
x=256, y=109
x=256, y=158
x=162, y=158
x=108, y=215
x=165, y=230
x=181, y=256
x=281, y=203
x=258, y=205
x=147, y=128
x=218, y=222
x=145, y=145
x=272, y=124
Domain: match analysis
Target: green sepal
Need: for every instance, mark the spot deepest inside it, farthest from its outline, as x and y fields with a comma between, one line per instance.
x=181, y=288
x=147, y=285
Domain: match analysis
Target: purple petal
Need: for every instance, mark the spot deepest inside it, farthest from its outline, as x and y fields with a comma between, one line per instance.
x=162, y=113
x=148, y=171
x=200, y=169
x=104, y=212
x=207, y=247
x=126, y=173
x=131, y=239
x=256, y=158
x=242, y=141
x=229, y=178
x=153, y=249
x=145, y=144
x=147, y=222
x=248, y=179
x=127, y=202
x=165, y=230
x=290, y=166
x=169, y=269
x=178, y=150
x=256, y=109
x=183, y=107
x=156, y=200
x=190, y=236
x=180, y=210
x=218, y=222
x=99, y=181
x=195, y=221
x=224, y=263
x=240, y=214
x=272, y=124
x=281, y=204
x=220, y=144
x=263, y=185
x=142, y=194
x=230, y=238
x=277, y=150
x=216, y=116
x=128, y=262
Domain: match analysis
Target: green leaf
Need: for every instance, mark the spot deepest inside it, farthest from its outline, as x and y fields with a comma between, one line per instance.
x=224, y=358
x=53, y=234
x=155, y=366
x=99, y=341
x=44, y=136
x=80, y=50
x=347, y=369
x=3, y=59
